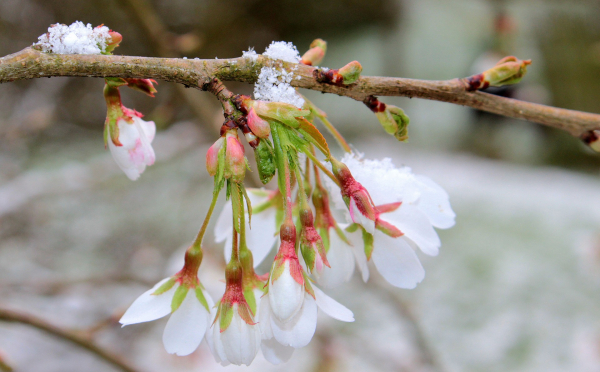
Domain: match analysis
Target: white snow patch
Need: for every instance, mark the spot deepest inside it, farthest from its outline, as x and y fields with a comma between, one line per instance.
x=273, y=83
x=74, y=39
x=285, y=51
x=250, y=54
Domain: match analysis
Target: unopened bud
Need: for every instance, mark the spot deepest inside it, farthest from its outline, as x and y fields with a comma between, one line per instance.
x=311, y=244
x=315, y=54
x=509, y=70
x=351, y=72
x=212, y=157
x=235, y=161
x=258, y=126
x=113, y=42
x=393, y=119
x=142, y=85
x=265, y=161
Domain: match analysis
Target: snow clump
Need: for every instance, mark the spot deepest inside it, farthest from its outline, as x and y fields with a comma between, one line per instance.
x=74, y=39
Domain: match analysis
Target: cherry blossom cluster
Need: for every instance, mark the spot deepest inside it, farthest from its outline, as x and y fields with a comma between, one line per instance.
x=325, y=216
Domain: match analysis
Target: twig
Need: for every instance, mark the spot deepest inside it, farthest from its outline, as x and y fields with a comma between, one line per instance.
x=4, y=367
x=30, y=63
x=18, y=317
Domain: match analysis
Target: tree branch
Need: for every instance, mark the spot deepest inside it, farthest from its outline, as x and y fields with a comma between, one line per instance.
x=30, y=63
x=17, y=317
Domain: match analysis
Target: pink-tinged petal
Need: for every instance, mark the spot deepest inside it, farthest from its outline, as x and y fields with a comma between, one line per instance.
x=416, y=226
x=285, y=295
x=331, y=307
x=434, y=202
x=144, y=146
x=122, y=158
x=186, y=326
x=275, y=352
x=149, y=307
x=298, y=331
x=341, y=260
x=397, y=262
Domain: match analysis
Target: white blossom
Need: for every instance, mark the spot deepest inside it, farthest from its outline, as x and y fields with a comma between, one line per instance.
x=186, y=326
x=136, y=151
x=261, y=231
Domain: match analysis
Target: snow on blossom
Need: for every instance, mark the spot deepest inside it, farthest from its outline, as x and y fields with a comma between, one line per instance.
x=424, y=205
x=76, y=38
x=273, y=84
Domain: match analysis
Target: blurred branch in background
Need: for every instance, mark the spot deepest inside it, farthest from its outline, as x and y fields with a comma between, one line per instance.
x=72, y=336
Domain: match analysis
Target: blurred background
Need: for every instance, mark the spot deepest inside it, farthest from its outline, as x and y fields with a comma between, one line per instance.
x=515, y=287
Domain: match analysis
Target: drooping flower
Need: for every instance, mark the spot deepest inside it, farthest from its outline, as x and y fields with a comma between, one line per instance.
x=185, y=299
x=410, y=206
x=261, y=229
x=235, y=336
x=135, y=151
x=128, y=137
x=298, y=330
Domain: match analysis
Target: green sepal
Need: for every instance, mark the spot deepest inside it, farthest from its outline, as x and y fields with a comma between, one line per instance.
x=164, y=287
x=178, y=297
x=352, y=227
x=105, y=133
x=309, y=255
x=402, y=120
x=308, y=286
x=341, y=235
x=246, y=313
x=201, y=298
x=324, y=233
x=115, y=82
x=226, y=315
x=278, y=268
x=220, y=176
x=265, y=162
x=368, y=240
x=250, y=299
x=248, y=204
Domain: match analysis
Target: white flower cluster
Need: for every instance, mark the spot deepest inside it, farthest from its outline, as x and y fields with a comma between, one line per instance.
x=76, y=38
x=273, y=83
x=285, y=318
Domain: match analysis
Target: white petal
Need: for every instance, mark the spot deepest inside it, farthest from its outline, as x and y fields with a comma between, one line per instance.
x=149, y=307
x=397, y=261
x=275, y=352
x=358, y=217
x=341, y=259
x=241, y=340
x=435, y=204
x=416, y=226
x=121, y=156
x=148, y=127
x=298, y=331
x=186, y=326
x=285, y=295
x=264, y=318
x=358, y=248
x=331, y=307
x=261, y=234
x=144, y=147
x=224, y=225
x=213, y=338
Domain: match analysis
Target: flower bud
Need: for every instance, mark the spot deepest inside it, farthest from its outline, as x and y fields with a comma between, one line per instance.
x=592, y=139
x=393, y=119
x=113, y=42
x=258, y=126
x=351, y=72
x=315, y=54
x=356, y=197
x=235, y=161
x=212, y=156
x=311, y=244
x=509, y=70
x=142, y=85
